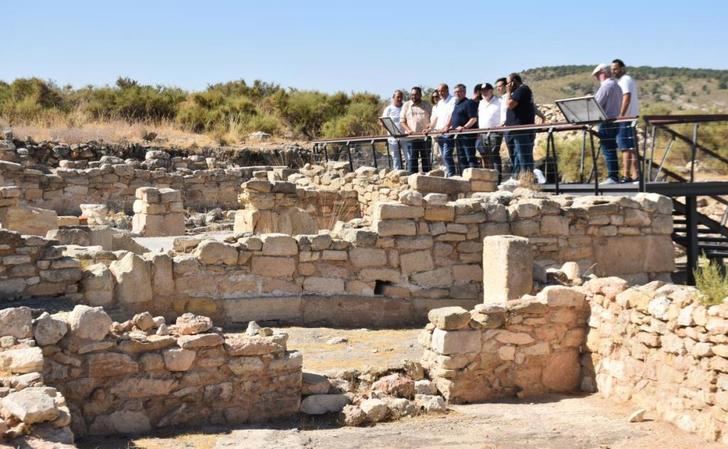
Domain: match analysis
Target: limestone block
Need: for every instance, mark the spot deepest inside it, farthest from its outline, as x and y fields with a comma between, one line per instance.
x=16, y=322
x=48, y=330
x=375, y=409
x=410, y=198
x=32, y=405
x=555, y=225
x=633, y=254
x=562, y=372
x=417, y=261
x=368, y=257
x=279, y=245
x=467, y=273
x=273, y=266
x=147, y=194
x=191, y=324
x=133, y=279
x=98, y=285
x=162, y=277
x=28, y=220
x=386, y=228
x=426, y=184
x=438, y=278
x=90, y=323
x=507, y=268
x=480, y=174
x=559, y=296
x=435, y=199
x=21, y=361
x=396, y=211
x=455, y=342
x=168, y=195
x=440, y=213
x=213, y=252
x=323, y=285
x=178, y=359
x=449, y=318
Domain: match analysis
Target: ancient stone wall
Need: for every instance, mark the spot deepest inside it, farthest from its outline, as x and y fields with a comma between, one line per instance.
x=658, y=346
x=31, y=266
x=143, y=374
x=527, y=347
x=66, y=189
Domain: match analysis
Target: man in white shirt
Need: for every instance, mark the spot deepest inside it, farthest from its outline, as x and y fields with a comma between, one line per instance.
x=440, y=121
x=394, y=110
x=630, y=108
x=489, y=116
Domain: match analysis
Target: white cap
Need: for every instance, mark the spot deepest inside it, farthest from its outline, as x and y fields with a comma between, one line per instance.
x=600, y=68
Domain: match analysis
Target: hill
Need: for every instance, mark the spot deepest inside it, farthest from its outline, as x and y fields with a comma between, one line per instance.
x=662, y=89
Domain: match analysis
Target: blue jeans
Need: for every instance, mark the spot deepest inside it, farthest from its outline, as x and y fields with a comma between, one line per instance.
x=466, y=152
x=446, y=147
x=608, y=145
x=522, y=151
x=394, y=149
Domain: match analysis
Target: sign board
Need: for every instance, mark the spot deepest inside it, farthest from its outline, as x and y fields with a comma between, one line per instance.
x=581, y=110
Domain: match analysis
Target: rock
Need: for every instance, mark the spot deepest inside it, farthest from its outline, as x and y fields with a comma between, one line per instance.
x=315, y=384
x=637, y=415
x=455, y=342
x=144, y=321
x=133, y=279
x=425, y=387
x=318, y=404
x=48, y=330
x=16, y=322
x=191, y=324
x=98, y=285
x=396, y=385
x=353, y=416
x=336, y=341
x=571, y=270
x=375, y=409
x=279, y=245
x=431, y=404
x=200, y=341
x=449, y=318
x=32, y=405
x=252, y=329
x=560, y=296
x=212, y=252
x=248, y=346
x=410, y=198
x=179, y=359
x=22, y=360
x=90, y=323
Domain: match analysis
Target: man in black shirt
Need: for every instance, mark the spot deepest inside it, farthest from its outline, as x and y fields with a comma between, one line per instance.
x=521, y=111
x=464, y=116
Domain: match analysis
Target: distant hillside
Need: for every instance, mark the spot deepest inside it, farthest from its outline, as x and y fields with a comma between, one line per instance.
x=662, y=89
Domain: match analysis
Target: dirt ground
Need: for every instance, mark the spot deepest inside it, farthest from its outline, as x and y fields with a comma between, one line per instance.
x=557, y=422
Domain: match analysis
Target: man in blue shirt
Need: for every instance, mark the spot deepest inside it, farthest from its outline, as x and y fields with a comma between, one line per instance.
x=521, y=111
x=464, y=116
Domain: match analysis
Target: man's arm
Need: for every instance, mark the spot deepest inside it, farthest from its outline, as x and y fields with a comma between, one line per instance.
x=626, y=99
x=601, y=97
x=403, y=119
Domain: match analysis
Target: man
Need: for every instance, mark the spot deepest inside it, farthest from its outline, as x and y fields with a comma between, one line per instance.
x=464, y=116
x=609, y=97
x=625, y=133
x=489, y=116
x=440, y=119
x=520, y=111
x=414, y=120
x=500, y=85
x=477, y=93
x=394, y=111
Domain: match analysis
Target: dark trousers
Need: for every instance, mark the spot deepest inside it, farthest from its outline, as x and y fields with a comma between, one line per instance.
x=522, y=151
x=490, y=145
x=608, y=144
x=466, y=153
x=418, y=149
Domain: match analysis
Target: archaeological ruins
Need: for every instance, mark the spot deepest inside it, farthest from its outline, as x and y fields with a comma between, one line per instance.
x=170, y=279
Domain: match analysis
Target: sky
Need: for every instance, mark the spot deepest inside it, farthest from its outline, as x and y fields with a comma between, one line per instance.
x=366, y=45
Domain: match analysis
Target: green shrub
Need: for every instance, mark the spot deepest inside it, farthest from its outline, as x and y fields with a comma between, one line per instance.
x=711, y=282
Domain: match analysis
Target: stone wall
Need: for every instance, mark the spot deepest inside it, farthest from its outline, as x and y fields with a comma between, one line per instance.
x=31, y=266
x=114, y=184
x=658, y=346
x=143, y=374
x=527, y=347
x=158, y=212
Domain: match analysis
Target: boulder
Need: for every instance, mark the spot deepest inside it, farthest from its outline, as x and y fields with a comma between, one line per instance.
x=21, y=361
x=49, y=330
x=179, y=359
x=375, y=409
x=449, y=318
x=212, y=252
x=318, y=404
x=32, y=405
x=133, y=279
x=98, y=285
x=315, y=384
x=90, y=323
x=191, y=324
x=396, y=385
x=16, y=322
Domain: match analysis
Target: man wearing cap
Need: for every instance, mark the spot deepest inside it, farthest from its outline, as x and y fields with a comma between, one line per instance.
x=489, y=116
x=630, y=108
x=609, y=97
x=414, y=119
x=393, y=110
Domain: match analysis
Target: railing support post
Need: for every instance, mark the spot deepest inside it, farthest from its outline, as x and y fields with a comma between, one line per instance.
x=691, y=216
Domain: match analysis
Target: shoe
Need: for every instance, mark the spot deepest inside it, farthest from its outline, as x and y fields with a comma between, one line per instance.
x=636, y=182
x=608, y=182
x=540, y=178
x=625, y=180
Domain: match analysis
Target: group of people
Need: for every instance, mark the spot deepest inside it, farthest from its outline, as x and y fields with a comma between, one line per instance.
x=509, y=103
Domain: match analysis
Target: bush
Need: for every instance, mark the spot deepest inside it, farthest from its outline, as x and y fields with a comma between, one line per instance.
x=711, y=282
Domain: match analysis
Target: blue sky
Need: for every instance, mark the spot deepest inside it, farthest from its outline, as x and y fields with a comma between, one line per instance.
x=369, y=45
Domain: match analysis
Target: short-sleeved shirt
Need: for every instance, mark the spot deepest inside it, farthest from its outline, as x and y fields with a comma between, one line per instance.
x=609, y=97
x=525, y=112
x=442, y=111
x=629, y=86
x=463, y=111
x=489, y=112
x=416, y=116
x=393, y=112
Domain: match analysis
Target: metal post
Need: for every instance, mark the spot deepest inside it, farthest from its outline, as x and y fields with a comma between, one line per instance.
x=389, y=154
x=326, y=153
x=583, y=156
x=693, y=151
x=374, y=154
x=595, y=169
x=351, y=161
x=556, y=163
x=635, y=138
x=691, y=215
